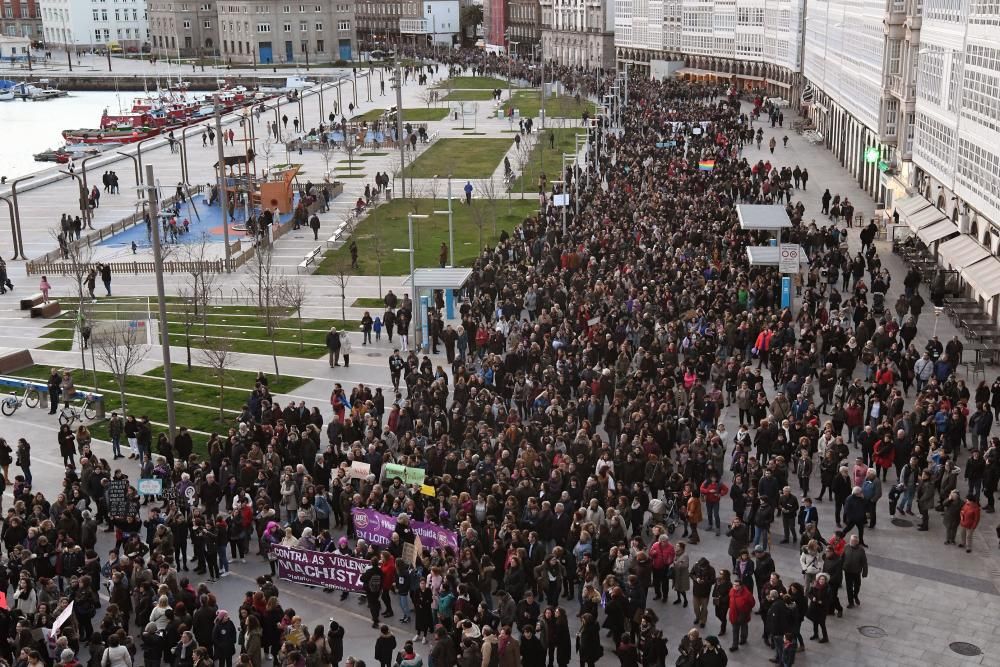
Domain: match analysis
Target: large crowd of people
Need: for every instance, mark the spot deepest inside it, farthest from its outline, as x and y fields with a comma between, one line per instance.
x=577, y=445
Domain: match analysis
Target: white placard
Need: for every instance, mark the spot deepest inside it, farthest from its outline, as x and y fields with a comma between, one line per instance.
x=788, y=258
x=560, y=200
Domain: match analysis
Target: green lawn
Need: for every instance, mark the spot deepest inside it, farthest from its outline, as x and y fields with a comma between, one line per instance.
x=469, y=96
x=463, y=158
x=545, y=160
x=476, y=82
x=368, y=302
x=558, y=106
x=373, y=154
x=390, y=219
x=197, y=406
x=416, y=115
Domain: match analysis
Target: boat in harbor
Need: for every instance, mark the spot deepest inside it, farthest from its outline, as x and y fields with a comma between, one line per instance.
x=74, y=152
x=160, y=112
x=37, y=93
x=6, y=95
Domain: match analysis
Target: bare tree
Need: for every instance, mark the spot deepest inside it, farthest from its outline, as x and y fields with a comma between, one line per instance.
x=268, y=280
x=340, y=275
x=352, y=147
x=121, y=348
x=188, y=316
x=427, y=95
x=327, y=152
x=294, y=297
x=78, y=258
x=480, y=214
x=201, y=280
x=378, y=246
x=219, y=356
x=487, y=191
x=522, y=157
x=267, y=152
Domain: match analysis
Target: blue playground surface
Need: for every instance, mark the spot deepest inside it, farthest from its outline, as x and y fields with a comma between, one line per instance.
x=208, y=226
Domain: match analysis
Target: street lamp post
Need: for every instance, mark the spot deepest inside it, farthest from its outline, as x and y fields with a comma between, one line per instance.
x=451, y=226
x=86, y=188
x=161, y=298
x=19, y=245
x=13, y=228
x=222, y=178
x=84, y=208
x=135, y=165
x=417, y=328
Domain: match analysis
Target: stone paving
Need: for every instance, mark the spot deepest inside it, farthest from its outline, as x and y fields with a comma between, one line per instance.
x=921, y=594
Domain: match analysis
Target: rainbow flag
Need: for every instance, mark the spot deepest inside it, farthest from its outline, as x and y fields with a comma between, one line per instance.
x=706, y=165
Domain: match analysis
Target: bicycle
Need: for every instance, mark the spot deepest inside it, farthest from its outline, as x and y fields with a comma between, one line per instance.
x=72, y=413
x=12, y=402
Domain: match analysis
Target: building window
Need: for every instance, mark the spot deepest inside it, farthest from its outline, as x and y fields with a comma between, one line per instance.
x=187, y=24
x=286, y=27
x=11, y=14
x=320, y=46
x=207, y=24
x=343, y=26
x=318, y=9
x=287, y=9
x=263, y=27
x=97, y=35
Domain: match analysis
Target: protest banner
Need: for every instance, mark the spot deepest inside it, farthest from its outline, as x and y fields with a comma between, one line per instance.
x=359, y=470
x=407, y=474
x=377, y=528
x=117, y=494
x=318, y=568
x=149, y=486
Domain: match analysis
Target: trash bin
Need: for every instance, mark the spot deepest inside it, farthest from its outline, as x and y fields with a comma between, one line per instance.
x=500, y=113
x=388, y=194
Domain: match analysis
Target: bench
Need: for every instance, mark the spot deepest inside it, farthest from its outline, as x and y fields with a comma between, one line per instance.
x=337, y=236
x=310, y=259
x=31, y=301
x=50, y=309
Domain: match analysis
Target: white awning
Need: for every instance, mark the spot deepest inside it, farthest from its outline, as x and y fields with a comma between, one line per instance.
x=924, y=218
x=763, y=216
x=911, y=205
x=961, y=251
x=448, y=278
x=937, y=231
x=767, y=255
x=694, y=71
x=984, y=277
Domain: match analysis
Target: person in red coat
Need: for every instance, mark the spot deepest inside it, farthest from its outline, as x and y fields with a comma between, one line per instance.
x=968, y=521
x=885, y=455
x=741, y=602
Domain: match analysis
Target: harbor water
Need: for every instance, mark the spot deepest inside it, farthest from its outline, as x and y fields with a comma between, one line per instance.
x=34, y=127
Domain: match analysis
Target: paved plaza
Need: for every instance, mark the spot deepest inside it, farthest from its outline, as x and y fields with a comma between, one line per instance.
x=920, y=596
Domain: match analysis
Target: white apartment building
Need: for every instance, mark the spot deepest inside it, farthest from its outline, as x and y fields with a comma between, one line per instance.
x=579, y=32
x=859, y=63
x=750, y=43
x=92, y=24
x=956, y=150
x=437, y=20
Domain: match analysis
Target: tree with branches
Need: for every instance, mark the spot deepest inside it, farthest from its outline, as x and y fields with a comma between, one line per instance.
x=200, y=278
x=479, y=211
x=79, y=260
x=269, y=283
x=294, y=297
x=218, y=355
x=188, y=317
x=340, y=275
x=121, y=348
x=522, y=157
x=428, y=96
x=328, y=153
x=487, y=192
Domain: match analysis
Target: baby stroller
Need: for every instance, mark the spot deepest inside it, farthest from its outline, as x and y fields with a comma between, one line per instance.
x=662, y=513
x=878, y=304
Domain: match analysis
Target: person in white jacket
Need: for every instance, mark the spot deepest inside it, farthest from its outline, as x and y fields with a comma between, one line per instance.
x=345, y=348
x=811, y=561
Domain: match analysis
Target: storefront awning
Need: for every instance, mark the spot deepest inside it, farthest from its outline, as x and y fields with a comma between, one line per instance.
x=694, y=71
x=780, y=84
x=910, y=205
x=924, y=218
x=961, y=251
x=943, y=228
x=984, y=277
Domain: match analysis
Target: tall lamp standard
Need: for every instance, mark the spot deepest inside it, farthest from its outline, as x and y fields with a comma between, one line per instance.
x=417, y=328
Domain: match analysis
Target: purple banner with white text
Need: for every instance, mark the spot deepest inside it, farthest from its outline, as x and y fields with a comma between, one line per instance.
x=377, y=528
x=319, y=568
